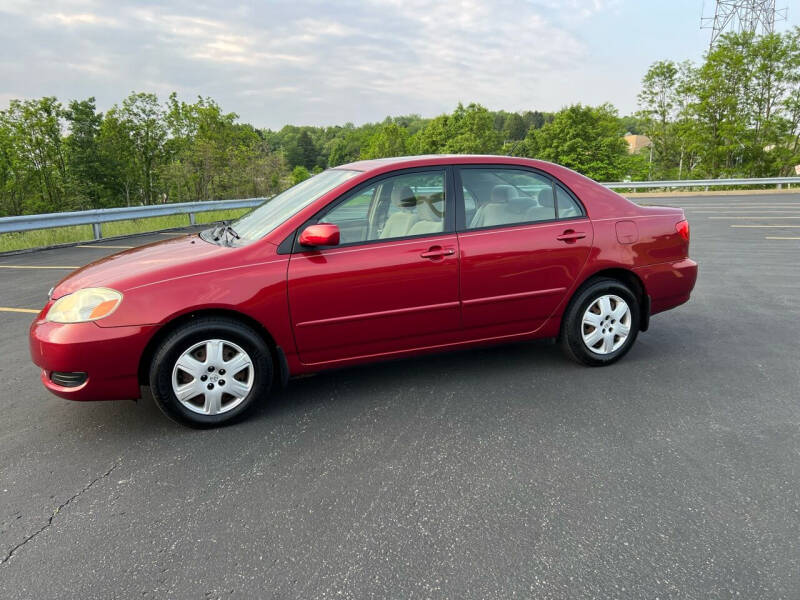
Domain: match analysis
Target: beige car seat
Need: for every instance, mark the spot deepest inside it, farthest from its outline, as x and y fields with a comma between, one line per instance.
x=400, y=223
x=497, y=211
x=429, y=221
x=545, y=211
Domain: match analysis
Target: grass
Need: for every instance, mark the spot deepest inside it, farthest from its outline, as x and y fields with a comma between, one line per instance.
x=82, y=233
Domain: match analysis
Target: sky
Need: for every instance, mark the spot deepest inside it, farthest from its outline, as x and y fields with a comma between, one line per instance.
x=326, y=63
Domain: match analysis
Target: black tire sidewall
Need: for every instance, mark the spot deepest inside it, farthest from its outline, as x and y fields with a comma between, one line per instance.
x=175, y=344
x=572, y=328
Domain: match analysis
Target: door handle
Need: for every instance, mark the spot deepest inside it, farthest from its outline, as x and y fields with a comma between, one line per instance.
x=437, y=252
x=570, y=236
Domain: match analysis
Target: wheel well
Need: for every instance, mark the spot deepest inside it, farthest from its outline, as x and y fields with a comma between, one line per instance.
x=278, y=360
x=635, y=284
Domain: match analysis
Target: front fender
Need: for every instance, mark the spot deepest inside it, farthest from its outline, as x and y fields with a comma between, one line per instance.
x=256, y=290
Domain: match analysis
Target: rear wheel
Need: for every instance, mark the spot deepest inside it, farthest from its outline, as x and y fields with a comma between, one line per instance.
x=210, y=371
x=601, y=323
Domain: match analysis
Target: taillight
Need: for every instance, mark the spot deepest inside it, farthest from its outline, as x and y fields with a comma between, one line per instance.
x=682, y=227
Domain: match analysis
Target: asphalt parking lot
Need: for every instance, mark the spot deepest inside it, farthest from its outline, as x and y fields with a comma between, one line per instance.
x=496, y=473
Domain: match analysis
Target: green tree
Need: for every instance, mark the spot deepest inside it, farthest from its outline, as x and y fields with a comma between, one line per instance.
x=389, y=140
x=308, y=151
x=658, y=100
x=472, y=131
x=469, y=130
x=121, y=175
x=299, y=173
x=584, y=138
x=13, y=174
x=433, y=138
x=514, y=127
x=536, y=119
x=718, y=106
x=202, y=146
x=775, y=75
x=84, y=162
x=144, y=121
x=34, y=131
x=338, y=154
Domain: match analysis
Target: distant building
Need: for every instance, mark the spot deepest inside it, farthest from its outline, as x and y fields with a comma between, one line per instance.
x=637, y=143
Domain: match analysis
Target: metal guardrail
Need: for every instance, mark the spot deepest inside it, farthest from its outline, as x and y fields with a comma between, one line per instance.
x=704, y=183
x=106, y=215
x=97, y=217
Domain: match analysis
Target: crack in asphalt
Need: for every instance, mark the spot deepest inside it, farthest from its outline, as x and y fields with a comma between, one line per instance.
x=55, y=512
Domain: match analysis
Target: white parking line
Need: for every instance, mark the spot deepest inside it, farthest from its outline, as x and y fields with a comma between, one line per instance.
x=770, y=237
x=756, y=217
x=763, y=226
x=19, y=310
x=98, y=246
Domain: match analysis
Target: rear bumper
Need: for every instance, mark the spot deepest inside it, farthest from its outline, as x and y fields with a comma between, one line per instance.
x=668, y=284
x=108, y=355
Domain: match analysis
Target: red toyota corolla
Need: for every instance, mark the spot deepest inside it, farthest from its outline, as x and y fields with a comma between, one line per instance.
x=372, y=260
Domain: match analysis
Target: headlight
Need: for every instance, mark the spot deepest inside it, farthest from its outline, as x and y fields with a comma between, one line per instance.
x=89, y=304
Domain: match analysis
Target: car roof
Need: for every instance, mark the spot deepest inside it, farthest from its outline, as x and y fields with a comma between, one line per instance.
x=397, y=162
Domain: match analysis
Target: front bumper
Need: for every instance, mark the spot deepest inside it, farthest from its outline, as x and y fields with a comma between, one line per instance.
x=668, y=284
x=108, y=355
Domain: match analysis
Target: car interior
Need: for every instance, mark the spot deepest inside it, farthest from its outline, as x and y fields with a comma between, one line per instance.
x=413, y=204
x=396, y=207
x=494, y=197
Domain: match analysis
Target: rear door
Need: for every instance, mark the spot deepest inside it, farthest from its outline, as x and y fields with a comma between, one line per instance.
x=523, y=240
x=392, y=283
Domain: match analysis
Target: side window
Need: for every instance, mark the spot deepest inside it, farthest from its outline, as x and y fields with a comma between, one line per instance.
x=505, y=196
x=394, y=207
x=352, y=216
x=567, y=207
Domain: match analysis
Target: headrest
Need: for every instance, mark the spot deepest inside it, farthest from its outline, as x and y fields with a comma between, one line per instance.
x=403, y=196
x=502, y=194
x=545, y=198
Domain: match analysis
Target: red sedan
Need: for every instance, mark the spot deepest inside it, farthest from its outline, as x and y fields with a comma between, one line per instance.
x=372, y=260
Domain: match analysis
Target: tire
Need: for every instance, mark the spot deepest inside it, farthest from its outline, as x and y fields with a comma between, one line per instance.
x=593, y=330
x=220, y=368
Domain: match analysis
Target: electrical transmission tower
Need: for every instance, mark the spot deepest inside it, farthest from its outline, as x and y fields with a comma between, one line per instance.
x=754, y=16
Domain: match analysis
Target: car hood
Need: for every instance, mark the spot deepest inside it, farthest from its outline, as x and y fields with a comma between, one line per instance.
x=158, y=261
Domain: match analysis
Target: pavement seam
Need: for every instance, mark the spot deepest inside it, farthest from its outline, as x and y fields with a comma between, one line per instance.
x=62, y=506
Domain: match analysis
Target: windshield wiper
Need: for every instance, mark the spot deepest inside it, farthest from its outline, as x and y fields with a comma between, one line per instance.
x=224, y=229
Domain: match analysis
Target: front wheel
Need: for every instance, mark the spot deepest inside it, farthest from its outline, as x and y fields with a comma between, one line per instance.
x=601, y=323
x=210, y=371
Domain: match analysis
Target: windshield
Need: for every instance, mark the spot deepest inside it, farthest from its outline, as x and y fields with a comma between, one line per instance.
x=260, y=221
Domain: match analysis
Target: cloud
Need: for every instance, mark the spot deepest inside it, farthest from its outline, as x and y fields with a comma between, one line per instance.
x=294, y=62
x=74, y=19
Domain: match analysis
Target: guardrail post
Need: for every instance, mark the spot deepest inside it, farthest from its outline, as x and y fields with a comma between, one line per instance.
x=191, y=219
x=780, y=186
x=97, y=231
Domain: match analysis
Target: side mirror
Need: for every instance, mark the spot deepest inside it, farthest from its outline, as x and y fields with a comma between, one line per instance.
x=323, y=234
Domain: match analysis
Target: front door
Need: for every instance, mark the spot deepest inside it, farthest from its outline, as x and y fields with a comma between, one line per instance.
x=523, y=241
x=392, y=282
